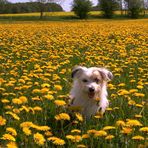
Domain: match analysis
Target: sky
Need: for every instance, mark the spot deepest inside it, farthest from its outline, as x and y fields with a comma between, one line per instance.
x=66, y=4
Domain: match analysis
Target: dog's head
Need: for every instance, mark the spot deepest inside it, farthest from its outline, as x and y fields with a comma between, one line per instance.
x=91, y=79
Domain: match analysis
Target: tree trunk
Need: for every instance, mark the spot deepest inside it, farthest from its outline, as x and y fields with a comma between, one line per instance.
x=121, y=7
x=41, y=14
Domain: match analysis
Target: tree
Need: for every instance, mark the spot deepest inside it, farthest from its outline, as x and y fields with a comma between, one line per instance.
x=4, y=2
x=135, y=7
x=108, y=7
x=121, y=6
x=2, y=5
x=81, y=8
x=42, y=5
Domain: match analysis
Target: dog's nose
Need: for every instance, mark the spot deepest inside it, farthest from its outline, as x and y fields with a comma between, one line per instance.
x=91, y=89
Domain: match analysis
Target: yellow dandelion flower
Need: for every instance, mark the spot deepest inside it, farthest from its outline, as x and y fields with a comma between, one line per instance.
x=121, y=84
x=5, y=101
x=8, y=137
x=81, y=146
x=138, y=137
x=144, y=129
x=98, y=116
x=58, y=87
x=39, y=139
x=132, y=81
x=11, y=130
x=120, y=123
x=2, y=121
x=139, y=94
x=8, y=107
x=37, y=99
x=122, y=92
x=92, y=131
x=100, y=133
x=126, y=130
x=40, y=128
x=131, y=123
x=23, y=99
x=139, y=105
x=12, y=145
x=71, y=137
x=13, y=115
x=74, y=138
x=25, y=108
x=62, y=116
x=16, y=111
x=108, y=128
x=79, y=117
x=49, y=97
x=37, y=108
x=85, y=136
x=36, y=91
x=138, y=116
x=133, y=90
x=131, y=102
x=140, y=86
x=78, y=138
x=27, y=131
x=44, y=128
x=109, y=137
x=56, y=141
x=21, y=81
x=109, y=109
x=75, y=131
x=45, y=85
x=48, y=133
x=59, y=142
x=16, y=101
x=26, y=124
x=44, y=90
x=60, y=102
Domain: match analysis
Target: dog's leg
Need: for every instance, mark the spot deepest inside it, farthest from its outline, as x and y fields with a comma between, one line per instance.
x=104, y=103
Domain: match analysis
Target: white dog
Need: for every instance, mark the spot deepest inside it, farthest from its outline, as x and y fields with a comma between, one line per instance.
x=90, y=84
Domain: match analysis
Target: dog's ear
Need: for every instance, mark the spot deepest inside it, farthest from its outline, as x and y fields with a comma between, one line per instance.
x=77, y=70
x=106, y=74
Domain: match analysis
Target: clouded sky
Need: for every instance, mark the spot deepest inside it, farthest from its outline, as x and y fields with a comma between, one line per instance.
x=66, y=3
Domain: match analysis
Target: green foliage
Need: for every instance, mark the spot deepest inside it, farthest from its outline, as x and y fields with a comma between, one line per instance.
x=28, y=7
x=3, y=1
x=134, y=12
x=135, y=8
x=108, y=7
x=81, y=8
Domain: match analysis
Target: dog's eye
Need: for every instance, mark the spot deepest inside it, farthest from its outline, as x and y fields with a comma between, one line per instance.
x=85, y=80
x=97, y=80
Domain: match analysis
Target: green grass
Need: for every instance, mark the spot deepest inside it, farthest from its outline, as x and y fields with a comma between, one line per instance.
x=57, y=16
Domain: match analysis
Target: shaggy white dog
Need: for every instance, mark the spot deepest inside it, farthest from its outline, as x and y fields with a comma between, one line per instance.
x=90, y=85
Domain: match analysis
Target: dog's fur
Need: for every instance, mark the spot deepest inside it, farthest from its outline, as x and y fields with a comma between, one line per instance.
x=89, y=85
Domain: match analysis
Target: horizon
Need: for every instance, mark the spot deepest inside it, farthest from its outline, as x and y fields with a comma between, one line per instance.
x=66, y=5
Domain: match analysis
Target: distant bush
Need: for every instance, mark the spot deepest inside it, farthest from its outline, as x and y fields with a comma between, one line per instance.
x=81, y=8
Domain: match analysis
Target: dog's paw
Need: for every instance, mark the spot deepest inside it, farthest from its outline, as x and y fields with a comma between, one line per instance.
x=103, y=105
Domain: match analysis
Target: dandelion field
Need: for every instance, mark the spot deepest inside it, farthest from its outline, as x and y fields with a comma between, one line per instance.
x=36, y=59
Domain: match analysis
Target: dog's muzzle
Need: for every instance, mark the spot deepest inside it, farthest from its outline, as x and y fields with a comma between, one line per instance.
x=91, y=92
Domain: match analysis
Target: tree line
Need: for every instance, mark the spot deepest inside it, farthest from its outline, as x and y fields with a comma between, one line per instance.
x=130, y=8
x=28, y=7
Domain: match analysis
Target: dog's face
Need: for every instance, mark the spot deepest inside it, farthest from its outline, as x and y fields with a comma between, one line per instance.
x=91, y=79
